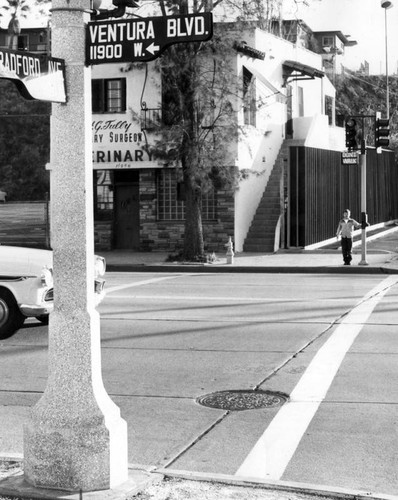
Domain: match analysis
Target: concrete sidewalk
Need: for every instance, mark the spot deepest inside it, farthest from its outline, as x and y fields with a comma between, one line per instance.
x=287, y=262
x=381, y=257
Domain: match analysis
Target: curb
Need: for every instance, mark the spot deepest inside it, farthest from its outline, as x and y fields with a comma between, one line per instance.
x=141, y=478
x=288, y=486
x=228, y=268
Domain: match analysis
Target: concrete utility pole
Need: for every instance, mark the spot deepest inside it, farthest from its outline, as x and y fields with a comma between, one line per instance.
x=362, y=164
x=386, y=4
x=75, y=439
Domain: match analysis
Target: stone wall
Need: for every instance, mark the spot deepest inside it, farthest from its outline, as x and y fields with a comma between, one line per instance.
x=103, y=235
x=168, y=236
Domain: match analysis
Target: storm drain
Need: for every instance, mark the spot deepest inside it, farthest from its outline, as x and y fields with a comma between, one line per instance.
x=243, y=400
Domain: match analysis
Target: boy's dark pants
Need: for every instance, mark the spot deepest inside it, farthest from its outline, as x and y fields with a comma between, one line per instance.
x=346, y=247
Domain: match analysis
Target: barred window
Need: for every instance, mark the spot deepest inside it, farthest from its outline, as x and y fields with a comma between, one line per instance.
x=109, y=95
x=103, y=194
x=249, y=98
x=171, y=195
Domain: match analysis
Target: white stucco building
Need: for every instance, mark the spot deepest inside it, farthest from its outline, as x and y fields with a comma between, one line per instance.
x=283, y=99
x=284, y=96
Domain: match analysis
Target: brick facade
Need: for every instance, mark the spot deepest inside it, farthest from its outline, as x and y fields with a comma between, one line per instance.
x=168, y=236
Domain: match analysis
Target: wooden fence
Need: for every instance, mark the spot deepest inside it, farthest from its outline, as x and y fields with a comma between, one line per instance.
x=320, y=188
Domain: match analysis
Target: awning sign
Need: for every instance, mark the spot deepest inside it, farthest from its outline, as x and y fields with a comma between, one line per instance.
x=133, y=40
x=37, y=76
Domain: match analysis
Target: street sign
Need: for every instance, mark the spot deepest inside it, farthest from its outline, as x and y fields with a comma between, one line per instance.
x=144, y=39
x=37, y=76
x=349, y=158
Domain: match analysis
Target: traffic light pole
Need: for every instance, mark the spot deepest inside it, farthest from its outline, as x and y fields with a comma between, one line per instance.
x=354, y=137
x=362, y=164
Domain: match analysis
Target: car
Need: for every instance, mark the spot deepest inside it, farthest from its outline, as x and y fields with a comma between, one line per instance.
x=26, y=286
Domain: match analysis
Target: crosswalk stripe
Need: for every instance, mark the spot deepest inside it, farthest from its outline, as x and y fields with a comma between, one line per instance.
x=275, y=448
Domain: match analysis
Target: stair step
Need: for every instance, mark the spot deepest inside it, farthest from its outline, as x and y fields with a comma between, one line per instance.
x=275, y=211
x=265, y=219
x=270, y=199
x=262, y=225
x=262, y=228
x=261, y=234
x=258, y=248
x=270, y=205
x=259, y=241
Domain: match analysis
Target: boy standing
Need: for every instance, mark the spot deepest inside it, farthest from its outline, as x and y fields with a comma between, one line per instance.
x=346, y=229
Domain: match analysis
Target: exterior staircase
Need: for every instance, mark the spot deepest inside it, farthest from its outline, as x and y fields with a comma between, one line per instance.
x=261, y=234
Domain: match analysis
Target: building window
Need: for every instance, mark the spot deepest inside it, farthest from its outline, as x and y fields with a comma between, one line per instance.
x=103, y=194
x=327, y=41
x=109, y=96
x=249, y=98
x=41, y=45
x=171, y=195
x=23, y=42
x=329, y=105
x=300, y=100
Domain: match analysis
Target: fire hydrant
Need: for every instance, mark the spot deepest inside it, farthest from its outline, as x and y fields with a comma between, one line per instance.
x=230, y=251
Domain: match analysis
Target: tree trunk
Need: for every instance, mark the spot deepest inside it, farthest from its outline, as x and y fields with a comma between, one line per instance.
x=190, y=159
x=193, y=235
x=14, y=29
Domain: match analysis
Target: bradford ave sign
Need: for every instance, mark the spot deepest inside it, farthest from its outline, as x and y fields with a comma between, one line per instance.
x=133, y=40
x=36, y=76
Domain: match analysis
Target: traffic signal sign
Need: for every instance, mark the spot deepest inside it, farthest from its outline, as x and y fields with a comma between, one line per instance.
x=351, y=133
x=382, y=132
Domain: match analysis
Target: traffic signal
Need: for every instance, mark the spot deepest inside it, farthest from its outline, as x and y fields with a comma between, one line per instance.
x=382, y=132
x=351, y=133
x=118, y=11
x=125, y=3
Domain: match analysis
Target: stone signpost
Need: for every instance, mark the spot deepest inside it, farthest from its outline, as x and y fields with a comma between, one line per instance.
x=75, y=438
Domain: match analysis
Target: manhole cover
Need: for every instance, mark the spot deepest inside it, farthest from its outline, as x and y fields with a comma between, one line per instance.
x=242, y=400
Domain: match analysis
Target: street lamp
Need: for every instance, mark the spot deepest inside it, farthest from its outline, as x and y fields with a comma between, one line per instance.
x=386, y=4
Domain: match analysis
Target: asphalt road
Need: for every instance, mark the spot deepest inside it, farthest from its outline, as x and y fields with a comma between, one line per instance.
x=329, y=342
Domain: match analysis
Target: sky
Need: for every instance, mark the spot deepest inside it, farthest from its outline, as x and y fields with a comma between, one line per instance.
x=364, y=20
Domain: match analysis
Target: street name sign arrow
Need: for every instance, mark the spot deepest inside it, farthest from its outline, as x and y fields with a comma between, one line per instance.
x=144, y=39
x=153, y=48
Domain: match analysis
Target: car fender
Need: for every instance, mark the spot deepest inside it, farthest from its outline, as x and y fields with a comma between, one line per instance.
x=12, y=283
x=23, y=288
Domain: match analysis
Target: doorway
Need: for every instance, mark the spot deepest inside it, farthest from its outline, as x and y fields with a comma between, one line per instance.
x=127, y=210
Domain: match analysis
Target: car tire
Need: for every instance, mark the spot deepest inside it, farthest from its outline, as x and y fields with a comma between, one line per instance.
x=11, y=318
x=43, y=319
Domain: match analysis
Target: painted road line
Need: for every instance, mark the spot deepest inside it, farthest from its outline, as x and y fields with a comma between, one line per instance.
x=229, y=298
x=139, y=283
x=275, y=448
